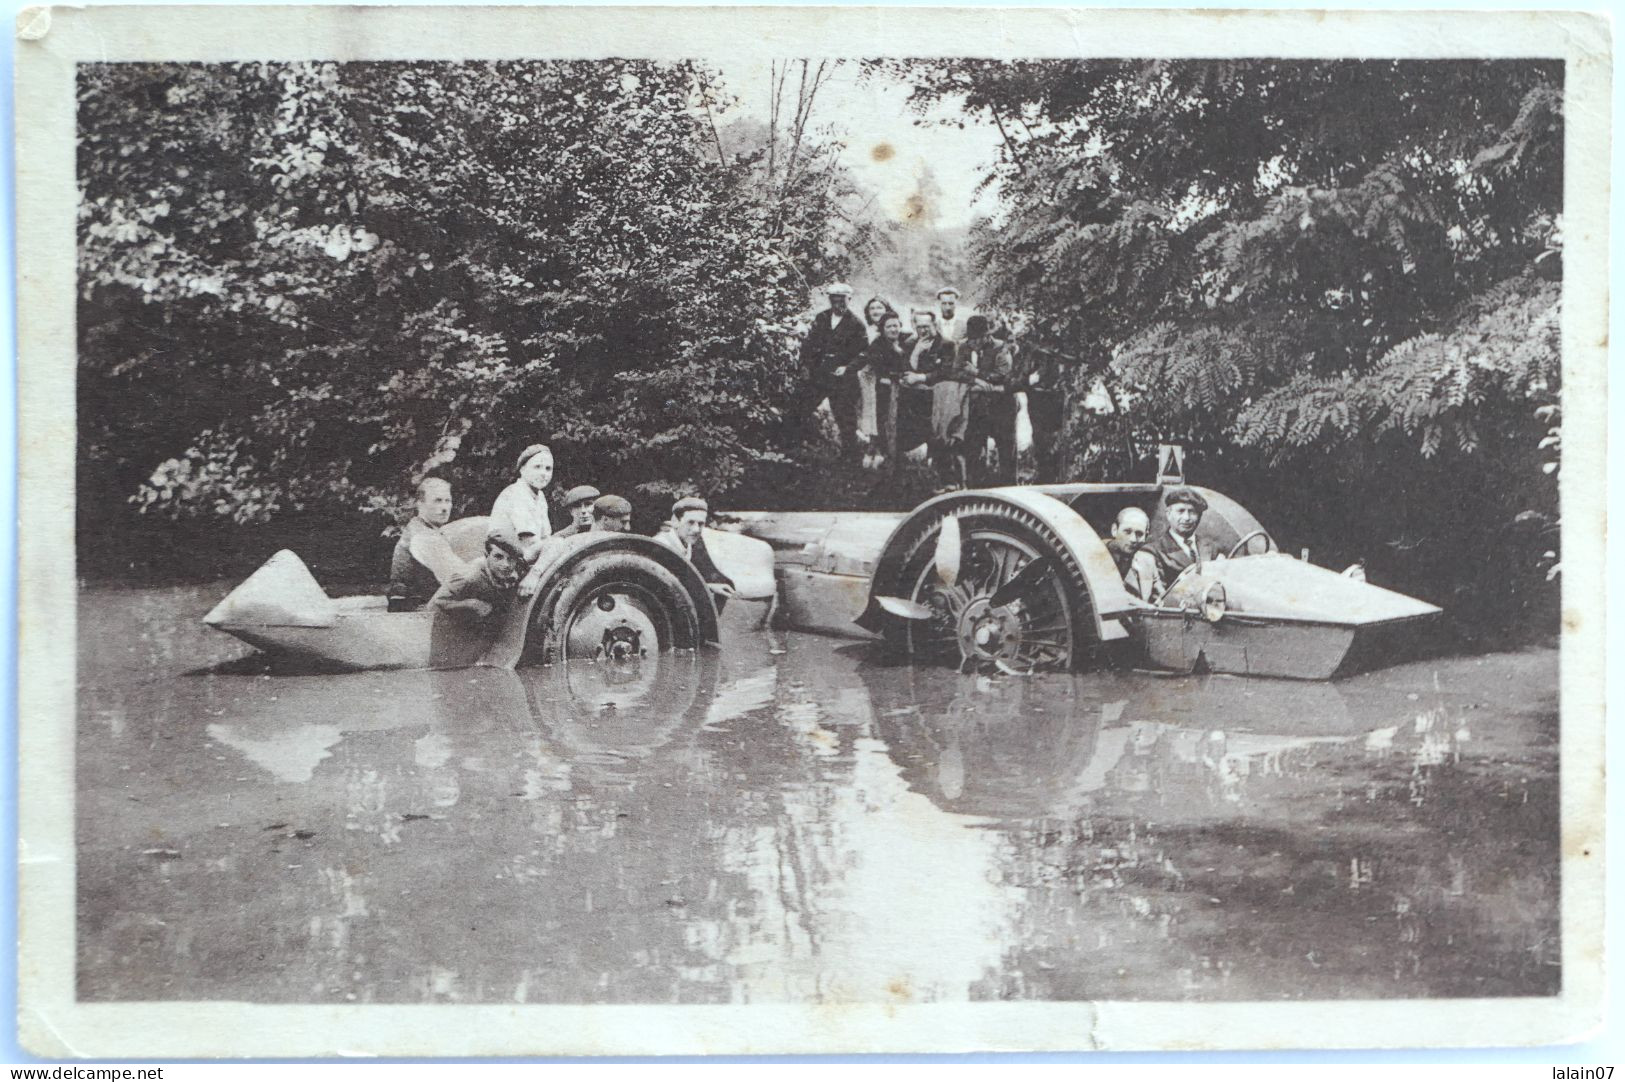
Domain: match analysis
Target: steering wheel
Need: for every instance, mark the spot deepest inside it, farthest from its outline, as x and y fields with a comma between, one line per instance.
x=1235, y=549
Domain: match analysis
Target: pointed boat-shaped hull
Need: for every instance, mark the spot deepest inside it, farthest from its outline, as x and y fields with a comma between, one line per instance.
x=281, y=609
x=1280, y=617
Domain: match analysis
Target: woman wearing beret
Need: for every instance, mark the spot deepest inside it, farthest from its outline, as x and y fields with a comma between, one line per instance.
x=522, y=507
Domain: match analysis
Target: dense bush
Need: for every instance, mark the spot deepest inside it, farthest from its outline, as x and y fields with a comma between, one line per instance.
x=303, y=285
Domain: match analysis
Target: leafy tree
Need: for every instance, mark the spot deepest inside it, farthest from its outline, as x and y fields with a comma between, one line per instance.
x=1348, y=268
x=304, y=285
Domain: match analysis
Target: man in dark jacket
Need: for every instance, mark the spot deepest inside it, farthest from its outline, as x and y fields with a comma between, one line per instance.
x=927, y=360
x=410, y=583
x=481, y=594
x=829, y=356
x=935, y=362
x=1037, y=377
x=685, y=534
x=992, y=410
x=1177, y=546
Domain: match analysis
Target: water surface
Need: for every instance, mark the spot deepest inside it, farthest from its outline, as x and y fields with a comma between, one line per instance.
x=797, y=820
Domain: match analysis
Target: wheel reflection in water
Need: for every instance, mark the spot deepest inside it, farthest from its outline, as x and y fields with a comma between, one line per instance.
x=996, y=746
x=628, y=708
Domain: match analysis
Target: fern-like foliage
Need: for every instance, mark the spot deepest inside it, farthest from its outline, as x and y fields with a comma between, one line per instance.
x=1433, y=388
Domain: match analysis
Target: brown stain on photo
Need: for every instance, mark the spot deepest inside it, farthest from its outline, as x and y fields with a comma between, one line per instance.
x=883, y=152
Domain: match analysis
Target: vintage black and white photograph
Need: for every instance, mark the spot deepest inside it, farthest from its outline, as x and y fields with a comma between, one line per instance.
x=832, y=523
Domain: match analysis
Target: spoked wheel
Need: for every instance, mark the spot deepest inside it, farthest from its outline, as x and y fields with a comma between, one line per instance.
x=613, y=607
x=1017, y=603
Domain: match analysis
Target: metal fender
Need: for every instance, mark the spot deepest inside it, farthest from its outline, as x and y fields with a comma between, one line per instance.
x=745, y=560
x=561, y=555
x=1074, y=538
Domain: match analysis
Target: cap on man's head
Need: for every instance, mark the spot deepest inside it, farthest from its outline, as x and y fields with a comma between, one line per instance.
x=1182, y=494
x=616, y=506
x=689, y=503
x=947, y=291
x=579, y=494
x=504, y=538
x=839, y=289
x=531, y=452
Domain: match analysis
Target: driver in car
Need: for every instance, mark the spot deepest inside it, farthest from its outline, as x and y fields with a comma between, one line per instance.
x=1178, y=547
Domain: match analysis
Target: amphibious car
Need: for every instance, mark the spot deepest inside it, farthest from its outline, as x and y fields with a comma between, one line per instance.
x=1007, y=579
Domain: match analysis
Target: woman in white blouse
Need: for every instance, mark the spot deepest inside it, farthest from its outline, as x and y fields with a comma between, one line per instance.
x=522, y=506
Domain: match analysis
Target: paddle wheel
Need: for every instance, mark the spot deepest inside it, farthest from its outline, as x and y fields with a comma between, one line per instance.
x=997, y=581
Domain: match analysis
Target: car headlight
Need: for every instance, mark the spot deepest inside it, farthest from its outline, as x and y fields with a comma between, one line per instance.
x=1213, y=603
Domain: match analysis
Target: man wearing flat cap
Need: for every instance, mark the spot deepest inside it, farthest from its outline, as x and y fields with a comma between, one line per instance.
x=1177, y=546
x=578, y=505
x=829, y=358
x=482, y=592
x=685, y=535
x=611, y=514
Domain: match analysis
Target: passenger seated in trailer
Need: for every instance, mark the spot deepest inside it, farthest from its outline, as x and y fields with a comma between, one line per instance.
x=482, y=593
x=611, y=514
x=578, y=505
x=521, y=508
x=1177, y=546
x=684, y=534
x=411, y=584
x=1135, y=563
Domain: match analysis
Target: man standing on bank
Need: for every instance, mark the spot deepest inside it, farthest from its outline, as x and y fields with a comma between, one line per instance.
x=829, y=356
x=949, y=319
x=410, y=583
x=992, y=409
x=934, y=362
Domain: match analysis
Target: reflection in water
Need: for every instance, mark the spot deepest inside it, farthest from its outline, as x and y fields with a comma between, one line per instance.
x=794, y=820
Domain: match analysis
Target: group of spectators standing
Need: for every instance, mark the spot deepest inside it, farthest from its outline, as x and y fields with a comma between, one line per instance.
x=941, y=386
x=518, y=533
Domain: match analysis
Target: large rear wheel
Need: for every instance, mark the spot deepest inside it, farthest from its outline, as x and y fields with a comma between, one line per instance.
x=1017, y=603
x=614, y=606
